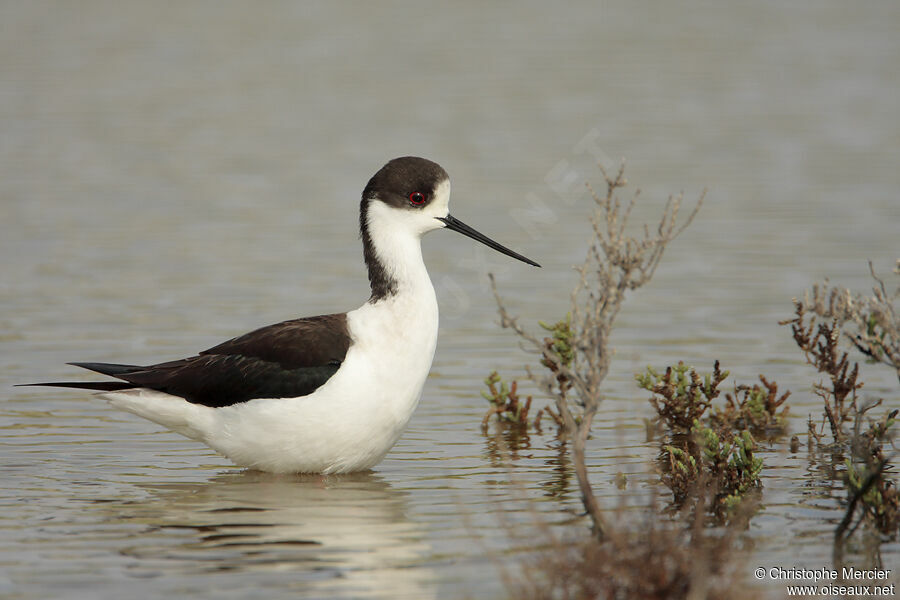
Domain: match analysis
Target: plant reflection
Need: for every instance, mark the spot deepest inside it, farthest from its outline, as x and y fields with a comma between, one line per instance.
x=507, y=443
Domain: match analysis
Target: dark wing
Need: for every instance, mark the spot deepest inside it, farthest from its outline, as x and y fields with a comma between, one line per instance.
x=309, y=342
x=285, y=360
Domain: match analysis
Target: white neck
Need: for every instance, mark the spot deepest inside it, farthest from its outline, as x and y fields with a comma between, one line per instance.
x=398, y=249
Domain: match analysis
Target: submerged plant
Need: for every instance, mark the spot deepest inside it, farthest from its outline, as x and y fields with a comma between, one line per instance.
x=819, y=343
x=724, y=467
x=877, y=496
x=505, y=402
x=872, y=326
x=558, y=353
x=509, y=408
x=714, y=453
x=865, y=480
x=755, y=408
x=683, y=396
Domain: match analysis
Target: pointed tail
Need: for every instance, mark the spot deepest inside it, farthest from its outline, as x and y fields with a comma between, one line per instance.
x=100, y=386
x=113, y=370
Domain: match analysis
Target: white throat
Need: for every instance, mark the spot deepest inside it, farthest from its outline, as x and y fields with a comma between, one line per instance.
x=397, y=248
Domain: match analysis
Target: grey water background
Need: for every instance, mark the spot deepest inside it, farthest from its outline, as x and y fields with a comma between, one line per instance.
x=174, y=174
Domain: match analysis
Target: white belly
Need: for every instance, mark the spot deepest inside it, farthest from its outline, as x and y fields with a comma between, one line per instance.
x=346, y=425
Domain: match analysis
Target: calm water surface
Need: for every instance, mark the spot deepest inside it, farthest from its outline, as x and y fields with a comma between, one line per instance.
x=174, y=175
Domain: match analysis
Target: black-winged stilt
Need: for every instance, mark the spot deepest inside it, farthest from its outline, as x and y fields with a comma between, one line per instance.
x=324, y=394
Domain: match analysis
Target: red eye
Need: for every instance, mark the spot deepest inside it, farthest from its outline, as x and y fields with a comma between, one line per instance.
x=417, y=198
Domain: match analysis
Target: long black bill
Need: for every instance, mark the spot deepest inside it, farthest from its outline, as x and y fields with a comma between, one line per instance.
x=455, y=224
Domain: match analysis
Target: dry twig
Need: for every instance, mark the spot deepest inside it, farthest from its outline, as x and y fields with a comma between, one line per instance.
x=871, y=324
x=615, y=263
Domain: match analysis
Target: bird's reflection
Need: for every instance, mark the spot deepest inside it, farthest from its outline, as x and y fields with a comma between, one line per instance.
x=348, y=532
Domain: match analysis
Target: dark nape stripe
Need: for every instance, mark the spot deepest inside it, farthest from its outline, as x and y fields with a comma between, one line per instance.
x=382, y=284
